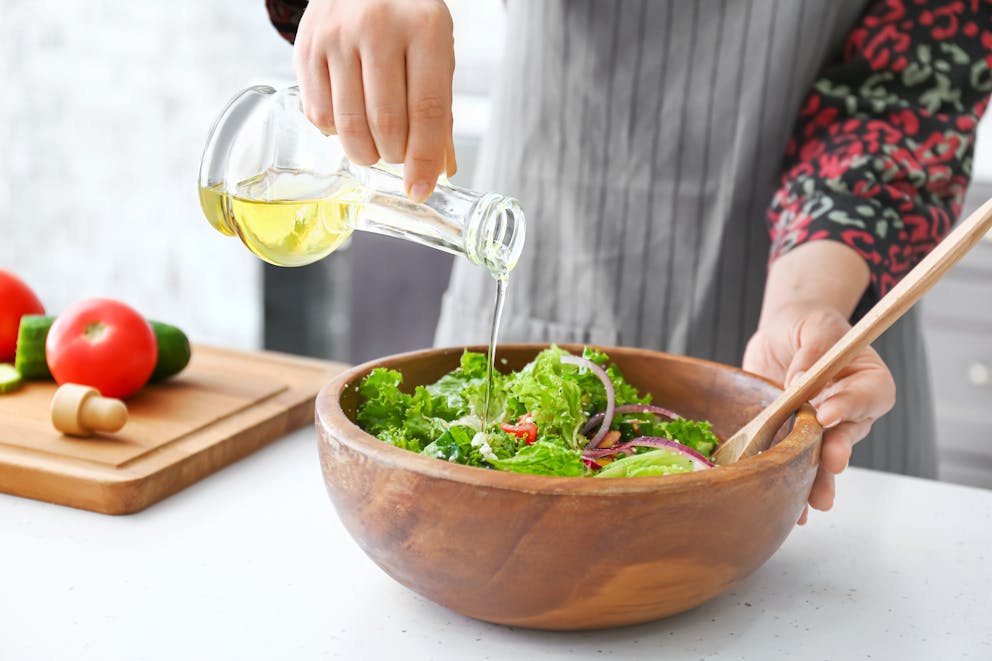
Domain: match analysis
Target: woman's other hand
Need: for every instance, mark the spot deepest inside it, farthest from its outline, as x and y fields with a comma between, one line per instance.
x=379, y=73
x=810, y=295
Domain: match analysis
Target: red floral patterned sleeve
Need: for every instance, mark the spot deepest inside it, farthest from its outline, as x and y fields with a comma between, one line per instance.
x=285, y=16
x=881, y=154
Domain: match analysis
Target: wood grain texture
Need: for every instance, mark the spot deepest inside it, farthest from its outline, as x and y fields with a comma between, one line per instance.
x=224, y=406
x=569, y=553
x=753, y=437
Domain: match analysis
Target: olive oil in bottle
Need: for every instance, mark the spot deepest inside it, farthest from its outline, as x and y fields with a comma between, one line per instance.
x=213, y=202
x=287, y=218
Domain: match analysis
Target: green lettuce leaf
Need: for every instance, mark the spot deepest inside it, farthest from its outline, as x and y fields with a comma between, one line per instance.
x=384, y=405
x=544, y=458
x=407, y=421
x=624, y=392
x=455, y=445
x=698, y=435
x=553, y=393
x=452, y=387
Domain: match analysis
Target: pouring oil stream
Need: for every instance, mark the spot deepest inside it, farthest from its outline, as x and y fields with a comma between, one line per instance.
x=501, y=283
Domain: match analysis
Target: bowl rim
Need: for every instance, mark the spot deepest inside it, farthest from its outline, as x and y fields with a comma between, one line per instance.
x=330, y=418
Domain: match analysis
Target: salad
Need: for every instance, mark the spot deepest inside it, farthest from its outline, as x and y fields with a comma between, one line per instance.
x=561, y=414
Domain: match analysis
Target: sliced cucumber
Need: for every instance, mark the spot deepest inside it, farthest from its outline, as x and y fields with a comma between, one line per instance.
x=10, y=378
x=31, y=335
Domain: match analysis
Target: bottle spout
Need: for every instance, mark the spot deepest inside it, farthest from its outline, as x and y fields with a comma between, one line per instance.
x=487, y=228
x=496, y=233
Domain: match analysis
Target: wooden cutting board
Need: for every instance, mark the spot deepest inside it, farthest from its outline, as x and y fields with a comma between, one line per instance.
x=223, y=406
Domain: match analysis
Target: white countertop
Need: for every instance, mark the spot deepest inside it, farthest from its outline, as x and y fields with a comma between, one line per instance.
x=252, y=563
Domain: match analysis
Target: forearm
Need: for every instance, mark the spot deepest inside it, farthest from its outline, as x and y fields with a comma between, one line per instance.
x=815, y=274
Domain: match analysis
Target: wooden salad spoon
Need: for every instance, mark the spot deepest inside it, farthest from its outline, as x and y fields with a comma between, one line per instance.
x=756, y=436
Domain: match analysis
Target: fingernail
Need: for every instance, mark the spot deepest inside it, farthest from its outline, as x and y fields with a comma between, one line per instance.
x=419, y=192
x=795, y=377
x=830, y=425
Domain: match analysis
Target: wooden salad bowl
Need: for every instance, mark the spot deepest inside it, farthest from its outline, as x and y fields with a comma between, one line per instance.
x=569, y=552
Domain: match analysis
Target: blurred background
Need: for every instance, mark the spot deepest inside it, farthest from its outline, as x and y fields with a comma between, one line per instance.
x=103, y=115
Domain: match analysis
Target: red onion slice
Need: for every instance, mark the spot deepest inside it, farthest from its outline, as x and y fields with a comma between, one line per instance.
x=591, y=463
x=699, y=462
x=610, y=394
x=630, y=408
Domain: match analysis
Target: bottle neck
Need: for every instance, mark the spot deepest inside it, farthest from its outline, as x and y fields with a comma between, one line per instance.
x=488, y=228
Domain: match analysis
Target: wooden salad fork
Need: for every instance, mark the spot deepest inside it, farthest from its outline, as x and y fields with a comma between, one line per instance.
x=755, y=436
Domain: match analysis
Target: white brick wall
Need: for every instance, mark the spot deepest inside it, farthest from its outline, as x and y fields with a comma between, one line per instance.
x=104, y=109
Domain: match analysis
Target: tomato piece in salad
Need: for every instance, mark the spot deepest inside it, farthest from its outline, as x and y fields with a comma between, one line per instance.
x=525, y=428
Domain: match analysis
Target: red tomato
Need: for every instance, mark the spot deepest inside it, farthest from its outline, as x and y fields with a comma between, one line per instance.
x=16, y=300
x=525, y=428
x=104, y=344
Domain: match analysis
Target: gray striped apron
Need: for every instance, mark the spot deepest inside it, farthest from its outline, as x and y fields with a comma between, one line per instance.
x=644, y=141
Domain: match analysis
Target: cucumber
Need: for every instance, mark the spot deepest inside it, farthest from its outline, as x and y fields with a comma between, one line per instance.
x=10, y=378
x=173, y=351
x=30, y=357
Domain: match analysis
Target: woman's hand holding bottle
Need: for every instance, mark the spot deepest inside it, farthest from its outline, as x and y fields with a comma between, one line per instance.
x=379, y=74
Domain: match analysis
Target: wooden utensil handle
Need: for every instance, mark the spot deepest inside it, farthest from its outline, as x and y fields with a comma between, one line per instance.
x=892, y=306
